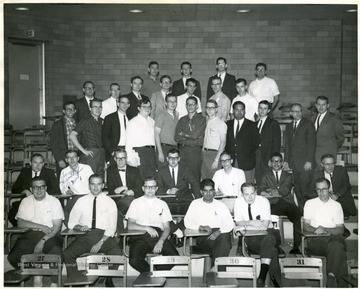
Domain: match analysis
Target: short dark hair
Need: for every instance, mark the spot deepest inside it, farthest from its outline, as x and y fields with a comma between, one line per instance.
x=114, y=83
x=119, y=150
x=95, y=100
x=37, y=155
x=192, y=98
x=153, y=62
x=323, y=97
x=207, y=182
x=165, y=76
x=173, y=151
x=277, y=154
x=239, y=80
x=266, y=103
x=68, y=103
x=38, y=178
x=72, y=151
x=97, y=176
x=215, y=77
x=260, y=64
x=326, y=156
x=237, y=103
x=225, y=153
x=321, y=180
x=144, y=100
x=221, y=58
x=123, y=96
x=247, y=185
x=169, y=95
x=88, y=81
x=150, y=178
x=184, y=63
x=136, y=77
x=193, y=80
x=296, y=104
x=213, y=101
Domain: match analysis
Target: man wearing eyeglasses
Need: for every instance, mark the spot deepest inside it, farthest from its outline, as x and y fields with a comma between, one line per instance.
x=113, y=133
x=214, y=140
x=158, y=98
x=150, y=214
x=83, y=104
x=181, y=99
x=263, y=87
x=60, y=135
x=324, y=216
x=43, y=215
x=221, y=99
x=340, y=187
x=140, y=139
x=110, y=105
x=136, y=84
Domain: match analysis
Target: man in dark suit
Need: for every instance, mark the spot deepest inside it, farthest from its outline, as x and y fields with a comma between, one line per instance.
x=134, y=96
x=60, y=141
x=300, y=143
x=228, y=81
x=276, y=185
x=242, y=141
x=22, y=184
x=270, y=139
x=179, y=86
x=113, y=133
x=329, y=130
x=125, y=181
x=83, y=104
x=340, y=187
x=175, y=179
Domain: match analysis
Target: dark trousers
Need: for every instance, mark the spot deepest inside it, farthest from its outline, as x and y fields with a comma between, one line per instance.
x=220, y=247
x=26, y=245
x=302, y=181
x=147, y=161
x=284, y=208
x=178, y=206
x=69, y=205
x=123, y=205
x=260, y=168
x=192, y=156
x=13, y=211
x=144, y=244
x=267, y=246
x=96, y=162
x=83, y=244
x=334, y=249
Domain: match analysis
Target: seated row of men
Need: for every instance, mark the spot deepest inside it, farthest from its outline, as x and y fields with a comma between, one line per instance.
x=95, y=214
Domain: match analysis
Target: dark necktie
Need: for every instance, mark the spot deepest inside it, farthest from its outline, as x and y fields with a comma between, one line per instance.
x=36, y=174
x=93, y=222
x=125, y=121
x=173, y=175
x=237, y=128
x=294, y=128
x=318, y=123
x=260, y=124
x=277, y=177
x=249, y=211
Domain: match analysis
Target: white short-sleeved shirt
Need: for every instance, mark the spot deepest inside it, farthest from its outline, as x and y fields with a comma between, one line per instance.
x=77, y=180
x=327, y=214
x=181, y=105
x=41, y=212
x=149, y=212
x=260, y=207
x=251, y=105
x=264, y=89
x=229, y=183
x=215, y=128
x=140, y=132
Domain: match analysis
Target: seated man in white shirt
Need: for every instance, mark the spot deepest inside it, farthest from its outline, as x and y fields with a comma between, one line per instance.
x=228, y=181
x=323, y=215
x=150, y=214
x=95, y=214
x=207, y=214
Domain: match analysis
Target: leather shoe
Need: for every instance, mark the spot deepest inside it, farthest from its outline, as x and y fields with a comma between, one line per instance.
x=295, y=251
x=346, y=233
x=109, y=282
x=180, y=242
x=260, y=283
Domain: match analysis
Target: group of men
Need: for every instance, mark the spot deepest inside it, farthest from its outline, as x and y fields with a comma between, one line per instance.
x=163, y=145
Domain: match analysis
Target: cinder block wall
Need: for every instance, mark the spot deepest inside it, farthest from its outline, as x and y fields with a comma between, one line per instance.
x=306, y=57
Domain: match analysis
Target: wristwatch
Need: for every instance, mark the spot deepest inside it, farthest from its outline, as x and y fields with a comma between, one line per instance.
x=44, y=240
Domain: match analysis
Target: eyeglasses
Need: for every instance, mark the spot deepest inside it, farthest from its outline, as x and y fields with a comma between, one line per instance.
x=166, y=82
x=328, y=164
x=173, y=158
x=120, y=159
x=191, y=104
x=216, y=84
x=70, y=109
x=126, y=103
x=72, y=158
x=150, y=187
x=36, y=188
x=88, y=88
x=210, y=108
x=324, y=190
x=208, y=191
x=145, y=107
x=224, y=161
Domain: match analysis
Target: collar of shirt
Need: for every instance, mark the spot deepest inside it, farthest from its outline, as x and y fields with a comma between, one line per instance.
x=263, y=119
x=136, y=93
x=279, y=173
x=175, y=168
x=322, y=115
x=259, y=80
x=164, y=93
x=69, y=120
x=33, y=173
x=120, y=113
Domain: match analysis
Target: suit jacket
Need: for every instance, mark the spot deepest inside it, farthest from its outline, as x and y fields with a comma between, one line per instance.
x=24, y=181
x=179, y=89
x=341, y=185
x=184, y=179
x=270, y=139
x=133, y=180
x=133, y=109
x=329, y=136
x=110, y=133
x=58, y=141
x=82, y=109
x=300, y=147
x=157, y=103
x=243, y=147
x=284, y=187
x=228, y=86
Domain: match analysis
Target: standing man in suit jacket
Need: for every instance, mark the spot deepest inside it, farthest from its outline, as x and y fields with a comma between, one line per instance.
x=329, y=130
x=300, y=143
x=134, y=96
x=242, y=141
x=22, y=184
x=123, y=180
x=340, y=187
x=228, y=81
x=60, y=141
x=270, y=139
x=113, y=133
x=158, y=98
x=83, y=104
x=179, y=86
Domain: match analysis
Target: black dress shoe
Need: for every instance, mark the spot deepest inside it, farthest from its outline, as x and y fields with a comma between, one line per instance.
x=179, y=243
x=260, y=283
x=346, y=233
x=295, y=251
x=109, y=282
